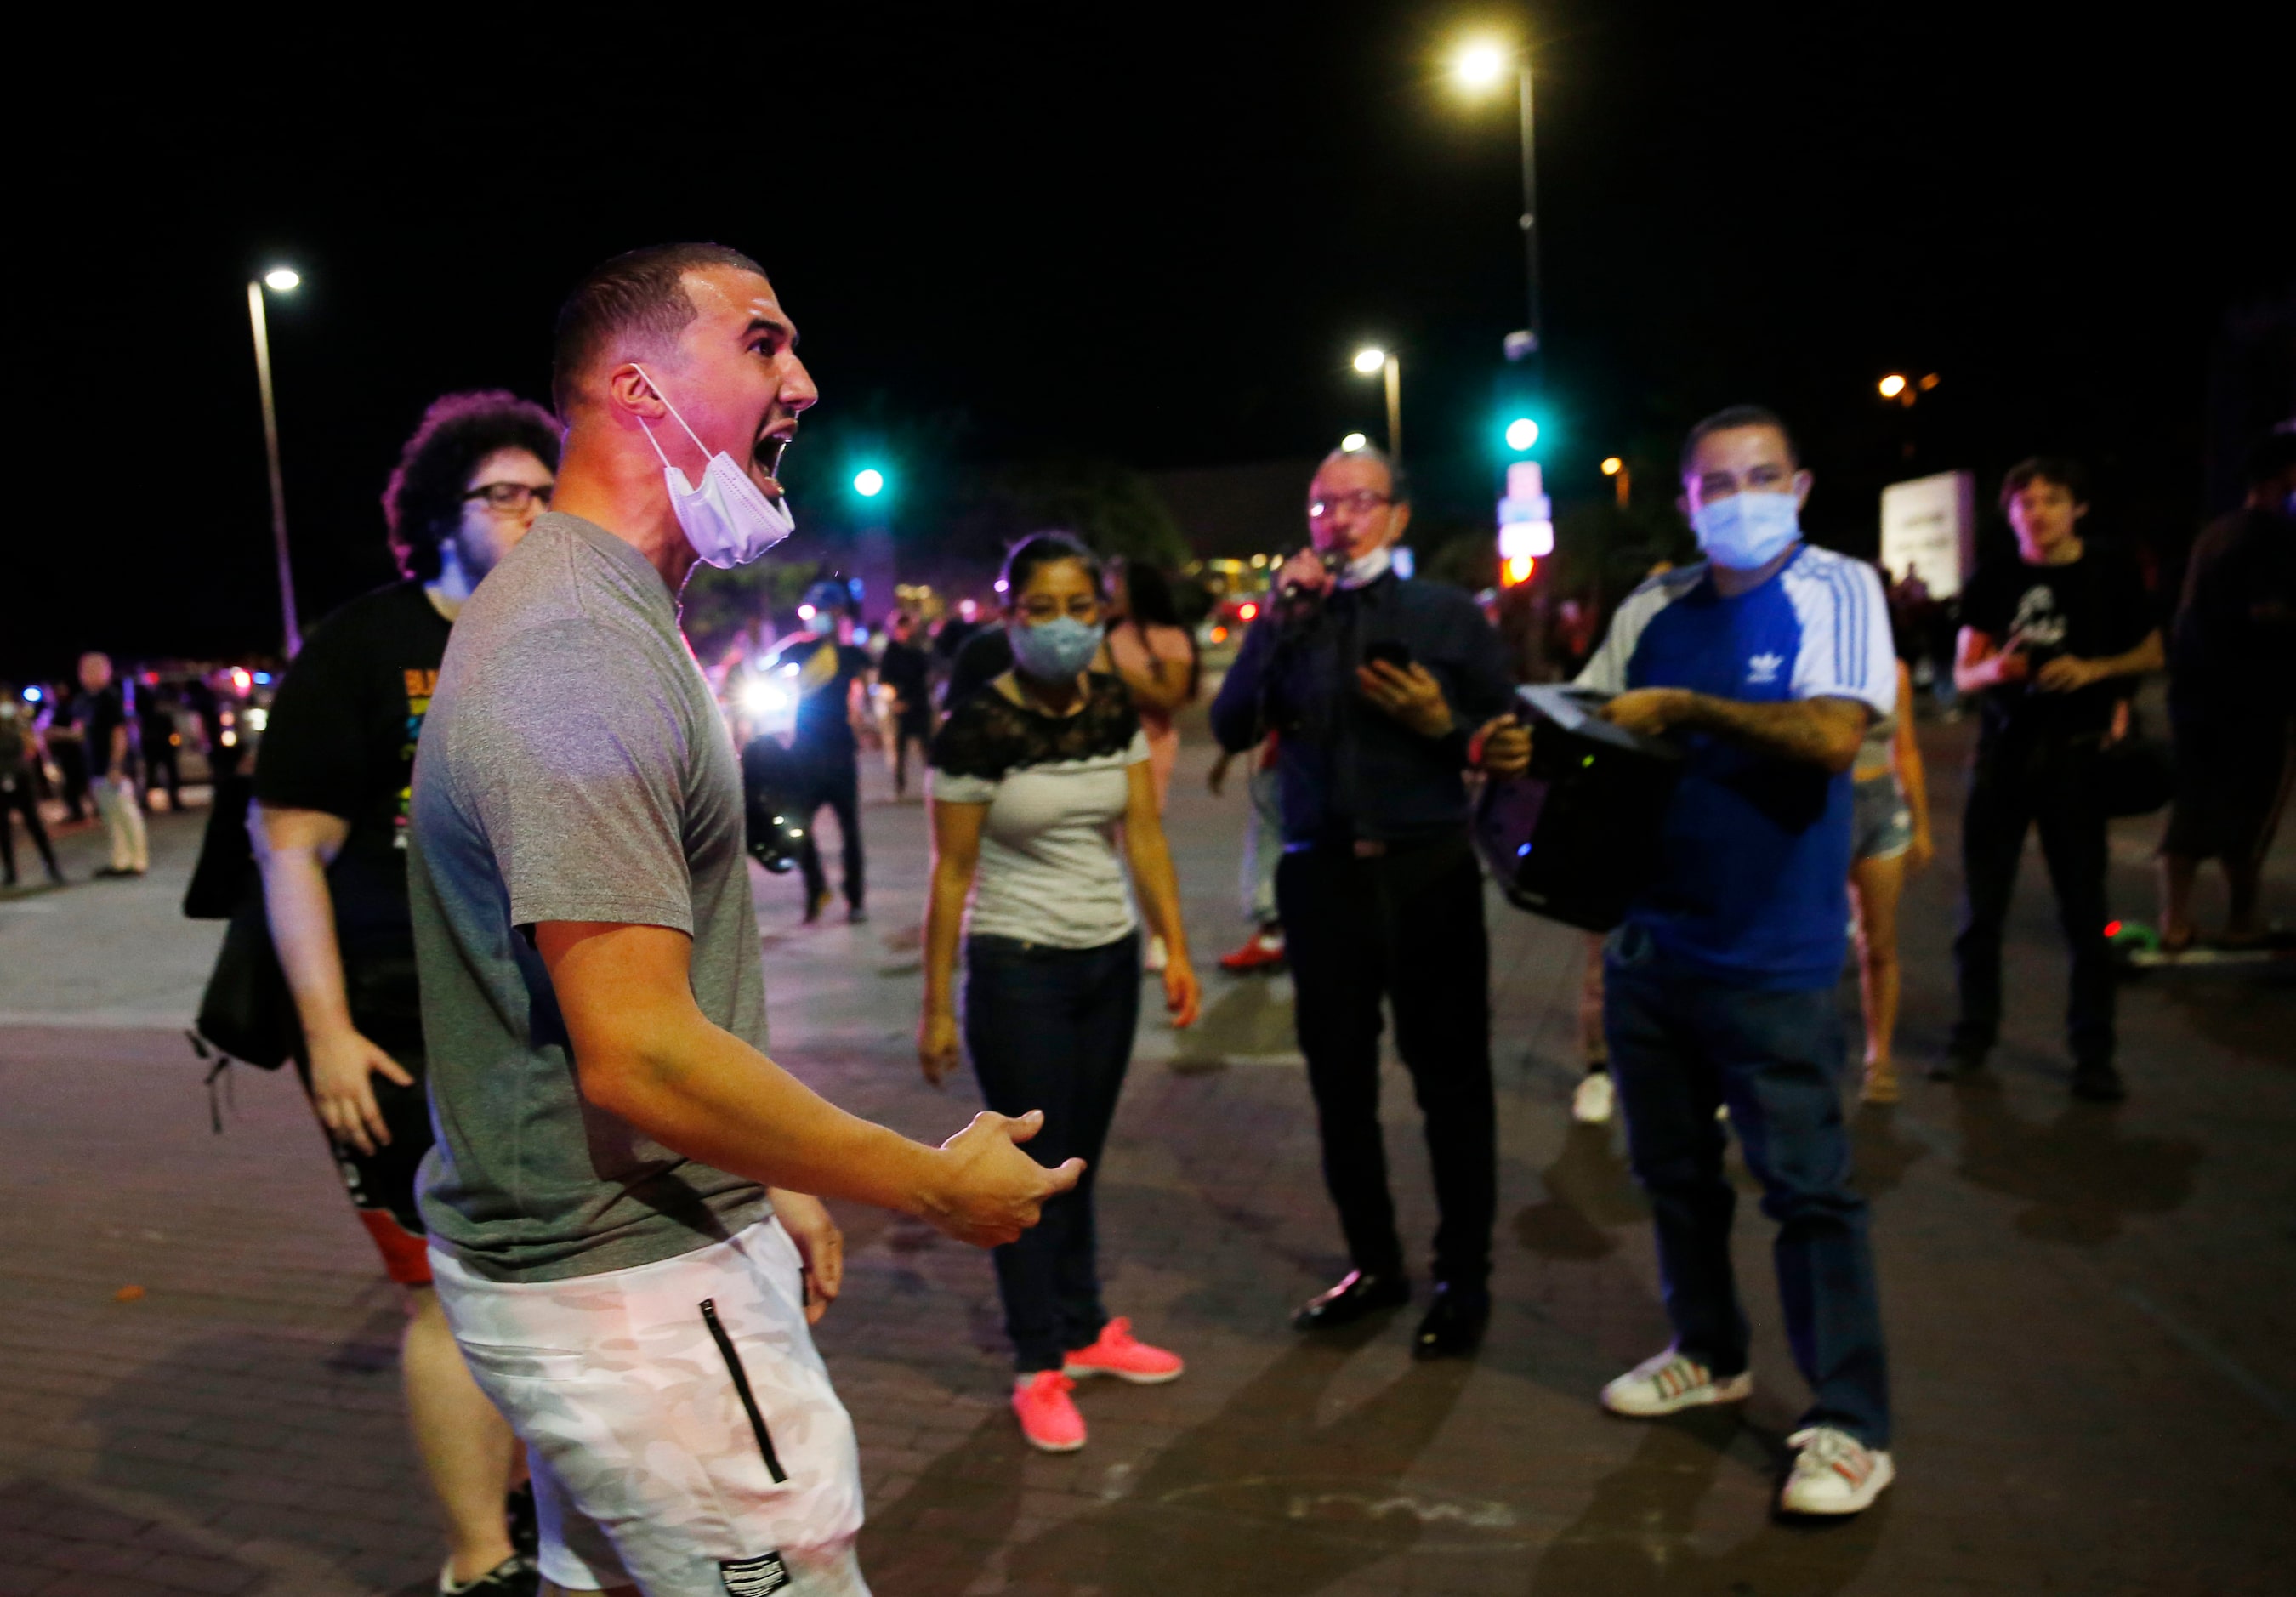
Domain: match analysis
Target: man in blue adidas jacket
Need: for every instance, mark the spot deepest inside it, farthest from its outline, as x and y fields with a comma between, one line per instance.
x=1768, y=659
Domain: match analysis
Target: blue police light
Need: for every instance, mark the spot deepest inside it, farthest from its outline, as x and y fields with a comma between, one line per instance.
x=1522, y=433
x=31, y=696
x=263, y=677
x=869, y=482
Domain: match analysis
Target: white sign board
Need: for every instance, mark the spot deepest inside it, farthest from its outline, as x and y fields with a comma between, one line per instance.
x=1929, y=526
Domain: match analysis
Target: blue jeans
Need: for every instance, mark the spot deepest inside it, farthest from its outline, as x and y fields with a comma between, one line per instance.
x=1683, y=1045
x=1051, y=1029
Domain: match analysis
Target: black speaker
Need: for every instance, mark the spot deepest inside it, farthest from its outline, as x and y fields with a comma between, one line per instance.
x=1575, y=838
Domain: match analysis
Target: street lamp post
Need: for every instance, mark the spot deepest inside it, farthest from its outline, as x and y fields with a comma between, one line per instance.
x=1385, y=361
x=1478, y=67
x=282, y=280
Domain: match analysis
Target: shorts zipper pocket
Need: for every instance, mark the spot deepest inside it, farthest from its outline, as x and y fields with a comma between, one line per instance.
x=742, y=1388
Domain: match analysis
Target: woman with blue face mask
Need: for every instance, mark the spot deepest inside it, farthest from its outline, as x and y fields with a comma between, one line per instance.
x=1031, y=779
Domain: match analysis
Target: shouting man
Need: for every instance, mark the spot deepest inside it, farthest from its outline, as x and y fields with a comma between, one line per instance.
x=620, y=1230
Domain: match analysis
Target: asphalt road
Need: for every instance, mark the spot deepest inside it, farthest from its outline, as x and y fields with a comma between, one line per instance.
x=2090, y=1310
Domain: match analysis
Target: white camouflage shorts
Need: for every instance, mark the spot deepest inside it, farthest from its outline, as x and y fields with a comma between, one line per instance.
x=682, y=1429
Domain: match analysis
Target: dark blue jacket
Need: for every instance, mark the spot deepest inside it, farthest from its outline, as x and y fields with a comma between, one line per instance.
x=1346, y=768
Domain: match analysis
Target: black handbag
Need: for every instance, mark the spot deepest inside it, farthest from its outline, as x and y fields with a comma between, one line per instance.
x=226, y=857
x=247, y=1011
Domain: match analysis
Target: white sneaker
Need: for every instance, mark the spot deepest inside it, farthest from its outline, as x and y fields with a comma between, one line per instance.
x=1670, y=1381
x=1833, y=1473
x=1593, y=1099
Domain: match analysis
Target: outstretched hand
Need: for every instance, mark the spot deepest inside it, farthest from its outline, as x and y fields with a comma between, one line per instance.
x=990, y=1191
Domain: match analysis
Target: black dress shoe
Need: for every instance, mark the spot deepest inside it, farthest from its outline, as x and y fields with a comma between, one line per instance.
x=1358, y=1293
x=1454, y=1326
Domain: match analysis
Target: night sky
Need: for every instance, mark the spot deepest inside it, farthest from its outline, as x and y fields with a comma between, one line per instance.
x=1152, y=235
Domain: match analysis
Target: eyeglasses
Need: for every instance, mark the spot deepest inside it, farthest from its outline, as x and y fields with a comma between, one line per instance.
x=510, y=498
x=1362, y=502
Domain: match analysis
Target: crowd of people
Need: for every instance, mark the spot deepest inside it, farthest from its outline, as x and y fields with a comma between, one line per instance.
x=498, y=845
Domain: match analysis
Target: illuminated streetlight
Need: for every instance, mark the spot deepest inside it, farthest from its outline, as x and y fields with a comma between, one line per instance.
x=869, y=482
x=1372, y=359
x=1891, y=386
x=1348, y=445
x=281, y=280
x=1613, y=467
x=1482, y=64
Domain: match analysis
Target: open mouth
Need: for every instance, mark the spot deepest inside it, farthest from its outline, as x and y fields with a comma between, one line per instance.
x=768, y=453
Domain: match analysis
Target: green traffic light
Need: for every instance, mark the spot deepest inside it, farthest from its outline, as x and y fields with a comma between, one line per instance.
x=869, y=482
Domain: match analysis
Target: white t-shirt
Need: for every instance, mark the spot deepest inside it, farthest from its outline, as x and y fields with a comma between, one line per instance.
x=1056, y=787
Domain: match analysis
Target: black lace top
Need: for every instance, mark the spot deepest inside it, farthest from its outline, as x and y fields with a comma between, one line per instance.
x=989, y=736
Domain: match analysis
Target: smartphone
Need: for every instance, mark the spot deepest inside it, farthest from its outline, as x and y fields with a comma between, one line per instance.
x=1387, y=652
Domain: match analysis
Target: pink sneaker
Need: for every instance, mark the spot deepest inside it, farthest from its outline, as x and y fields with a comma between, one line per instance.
x=1048, y=1418
x=1118, y=1354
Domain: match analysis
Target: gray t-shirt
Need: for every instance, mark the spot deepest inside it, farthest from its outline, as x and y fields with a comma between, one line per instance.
x=573, y=766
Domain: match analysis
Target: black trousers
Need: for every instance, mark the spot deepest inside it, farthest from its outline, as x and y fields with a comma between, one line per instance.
x=1051, y=1029
x=71, y=764
x=17, y=797
x=1408, y=926
x=908, y=730
x=2051, y=790
x=836, y=784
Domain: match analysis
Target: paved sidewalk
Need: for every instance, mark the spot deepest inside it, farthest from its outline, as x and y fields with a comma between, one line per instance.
x=2090, y=1310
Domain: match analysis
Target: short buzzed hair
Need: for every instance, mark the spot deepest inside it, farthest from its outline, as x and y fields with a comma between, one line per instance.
x=1730, y=420
x=1398, y=482
x=643, y=291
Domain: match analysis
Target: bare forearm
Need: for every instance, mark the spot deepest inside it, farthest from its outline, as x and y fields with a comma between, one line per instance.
x=2146, y=657
x=1158, y=888
x=952, y=885
x=303, y=914
x=1810, y=731
x=702, y=1091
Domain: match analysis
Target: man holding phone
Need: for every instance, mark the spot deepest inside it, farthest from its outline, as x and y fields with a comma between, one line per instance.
x=2051, y=643
x=1375, y=684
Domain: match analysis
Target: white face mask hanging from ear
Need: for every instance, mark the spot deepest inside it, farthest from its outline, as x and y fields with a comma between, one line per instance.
x=728, y=520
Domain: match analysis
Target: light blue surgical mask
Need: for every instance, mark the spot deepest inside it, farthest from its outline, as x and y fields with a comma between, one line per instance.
x=1747, y=531
x=1054, y=651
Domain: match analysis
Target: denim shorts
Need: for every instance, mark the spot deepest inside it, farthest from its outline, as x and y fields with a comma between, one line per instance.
x=1881, y=823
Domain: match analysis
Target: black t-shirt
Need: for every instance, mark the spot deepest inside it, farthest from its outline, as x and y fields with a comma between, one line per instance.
x=341, y=740
x=826, y=669
x=2088, y=608
x=907, y=670
x=98, y=716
